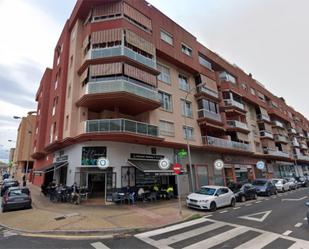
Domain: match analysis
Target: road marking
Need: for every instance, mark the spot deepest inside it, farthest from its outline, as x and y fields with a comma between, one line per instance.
x=302, y=198
x=298, y=224
x=259, y=242
x=222, y=212
x=237, y=208
x=261, y=219
x=258, y=201
x=208, y=216
x=99, y=245
x=7, y=233
x=305, y=218
x=286, y=233
x=247, y=205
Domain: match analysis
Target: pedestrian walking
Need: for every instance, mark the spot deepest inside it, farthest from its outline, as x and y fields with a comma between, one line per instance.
x=24, y=181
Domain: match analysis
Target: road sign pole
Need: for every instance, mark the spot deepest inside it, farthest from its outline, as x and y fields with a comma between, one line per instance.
x=179, y=196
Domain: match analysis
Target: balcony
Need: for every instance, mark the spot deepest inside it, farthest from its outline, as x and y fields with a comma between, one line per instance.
x=281, y=139
x=278, y=124
x=303, y=146
x=302, y=157
x=238, y=125
x=207, y=91
x=203, y=113
x=276, y=153
x=301, y=135
x=292, y=131
x=121, y=51
x=226, y=144
x=263, y=117
x=233, y=103
x=266, y=134
x=129, y=97
x=295, y=143
x=121, y=126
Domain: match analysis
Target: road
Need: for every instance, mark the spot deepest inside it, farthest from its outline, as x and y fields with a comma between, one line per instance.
x=276, y=222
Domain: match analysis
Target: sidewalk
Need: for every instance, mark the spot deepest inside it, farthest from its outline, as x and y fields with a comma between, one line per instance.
x=92, y=217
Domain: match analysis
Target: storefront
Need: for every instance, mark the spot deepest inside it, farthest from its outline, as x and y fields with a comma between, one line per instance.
x=284, y=169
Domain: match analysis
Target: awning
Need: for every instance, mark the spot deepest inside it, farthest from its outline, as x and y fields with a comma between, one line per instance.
x=51, y=167
x=148, y=166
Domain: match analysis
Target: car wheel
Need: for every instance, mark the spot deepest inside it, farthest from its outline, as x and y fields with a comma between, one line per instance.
x=213, y=207
x=243, y=198
x=255, y=196
x=268, y=193
x=233, y=202
x=276, y=192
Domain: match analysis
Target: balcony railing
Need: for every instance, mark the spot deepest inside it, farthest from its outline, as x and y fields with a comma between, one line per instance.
x=121, y=125
x=302, y=157
x=121, y=86
x=292, y=131
x=263, y=117
x=266, y=134
x=303, y=146
x=203, y=113
x=224, y=143
x=281, y=138
x=278, y=124
x=204, y=89
x=237, y=124
x=276, y=153
x=295, y=143
x=122, y=51
x=232, y=102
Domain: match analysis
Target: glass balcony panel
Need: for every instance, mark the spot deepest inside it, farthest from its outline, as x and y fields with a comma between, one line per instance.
x=142, y=128
x=130, y=126
x=204, y=113
x=224, y=143
x=115, y=125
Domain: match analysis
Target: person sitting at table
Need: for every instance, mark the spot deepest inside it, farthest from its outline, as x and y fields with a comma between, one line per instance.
x=170, y=192
x=141, y=194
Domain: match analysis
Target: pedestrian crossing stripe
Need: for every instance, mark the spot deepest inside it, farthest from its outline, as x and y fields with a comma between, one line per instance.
x=235, y=234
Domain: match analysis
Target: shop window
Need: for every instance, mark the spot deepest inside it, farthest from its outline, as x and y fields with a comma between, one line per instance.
x=218, y=178
x=201, y=176
x=90, y=155
x=127, y=176
x=153, y=150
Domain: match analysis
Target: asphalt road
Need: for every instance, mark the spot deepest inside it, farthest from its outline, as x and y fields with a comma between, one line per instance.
x=275, y=222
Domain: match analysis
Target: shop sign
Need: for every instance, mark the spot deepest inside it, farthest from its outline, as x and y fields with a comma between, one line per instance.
x=103, y=163
x=177, y=168
x=62, y=158
x=146, y=156
x=260, y=165
x=182, y=153
x=219, y=164
x=164, y=163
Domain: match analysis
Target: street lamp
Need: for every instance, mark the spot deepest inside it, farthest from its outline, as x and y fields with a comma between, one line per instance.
x=187, y=140
x=30, y=133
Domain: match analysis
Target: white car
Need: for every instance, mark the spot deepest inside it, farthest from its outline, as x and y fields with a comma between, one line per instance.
x=292, y=183
x=211, y=197
x=281, y=185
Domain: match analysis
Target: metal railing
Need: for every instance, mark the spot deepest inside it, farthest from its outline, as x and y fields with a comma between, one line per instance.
x=281, y=138
x=277, y=153
x=263, y=117
x=232, y=102
x=122, y=51
x=237, y=124
x=292, y=130
x=121, y=125
x=224, y=143
x=295, y=143
x=266, y=134
x=302, y=157
x=204, y=89
x=303, y=146
x=121, y=85
x=203, y=113
x=278, y=124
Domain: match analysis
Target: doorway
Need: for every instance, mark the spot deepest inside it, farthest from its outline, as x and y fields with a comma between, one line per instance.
x=96, y=184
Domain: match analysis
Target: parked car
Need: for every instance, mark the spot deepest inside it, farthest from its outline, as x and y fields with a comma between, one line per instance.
x=243, y=192
x=281, y=184
x=211, y=197
x=302, y=181
x=8, y=184
x=16, y=198
x=264, y=187
x=292, y=183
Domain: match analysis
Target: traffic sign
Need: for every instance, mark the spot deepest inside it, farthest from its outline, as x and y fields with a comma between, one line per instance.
x=103, y=163
x=219, y=164
x=177, y=168
x=260, y=165
x=182, y=153
x=164, y=163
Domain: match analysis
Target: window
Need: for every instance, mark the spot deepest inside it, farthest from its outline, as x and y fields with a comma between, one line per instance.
x=204, y=62
x=225, y=76
x=183, y=83
x=186, y=49
x=66, y=122
x=208, y=105
x=164, y=74
x=165, y=36
x=54, y=105
x=188, y=132
x=244, y=86
x=186, y=108
x=166, y=128
x=166, y=101
x=252, y=90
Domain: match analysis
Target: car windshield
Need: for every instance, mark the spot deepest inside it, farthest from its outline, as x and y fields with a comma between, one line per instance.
x=277, y=181
x=235, y=187
x=206, y=191
x=16, y=192
x=259, y=183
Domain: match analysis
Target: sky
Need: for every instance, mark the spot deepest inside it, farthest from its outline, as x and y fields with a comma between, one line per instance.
x=268, y=38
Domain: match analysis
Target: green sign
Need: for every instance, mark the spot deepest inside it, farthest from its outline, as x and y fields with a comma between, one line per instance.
x=182, y=153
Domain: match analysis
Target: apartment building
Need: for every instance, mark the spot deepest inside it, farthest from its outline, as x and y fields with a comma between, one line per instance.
x=130, y=85
x=21, y=156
